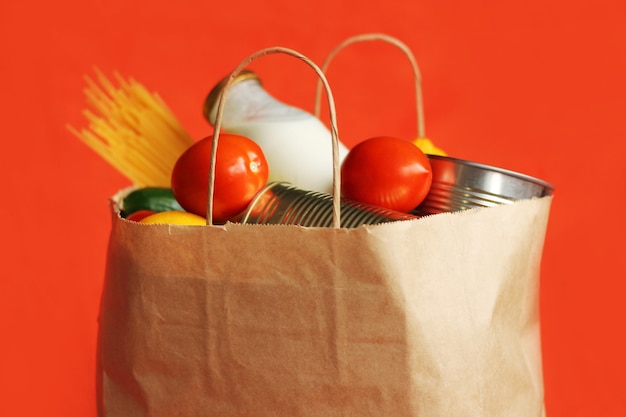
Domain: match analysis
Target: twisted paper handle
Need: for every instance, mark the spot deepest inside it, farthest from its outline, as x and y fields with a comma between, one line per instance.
x=333, y=127
x=421, y=133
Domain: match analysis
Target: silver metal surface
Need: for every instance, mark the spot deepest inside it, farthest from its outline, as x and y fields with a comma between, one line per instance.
x=459, y=185
x=282, y=203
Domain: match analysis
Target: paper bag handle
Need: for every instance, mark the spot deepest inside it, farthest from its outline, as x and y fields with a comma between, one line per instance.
x=336, y=192
x=402, y=46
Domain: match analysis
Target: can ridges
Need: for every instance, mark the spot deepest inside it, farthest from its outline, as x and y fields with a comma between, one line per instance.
x=282, y=203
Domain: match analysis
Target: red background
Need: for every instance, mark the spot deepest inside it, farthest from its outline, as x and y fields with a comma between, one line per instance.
x=535, y=86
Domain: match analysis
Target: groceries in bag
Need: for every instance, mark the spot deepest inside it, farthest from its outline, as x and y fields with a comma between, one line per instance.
x=283, y=321
x=146, y=147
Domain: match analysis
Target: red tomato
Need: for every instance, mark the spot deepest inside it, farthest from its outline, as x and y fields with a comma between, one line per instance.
x=139, y=214
x=387, y=172
x=241, y=170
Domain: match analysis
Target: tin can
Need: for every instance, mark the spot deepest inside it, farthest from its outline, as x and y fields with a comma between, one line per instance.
x=283, y=203
x=459, y=185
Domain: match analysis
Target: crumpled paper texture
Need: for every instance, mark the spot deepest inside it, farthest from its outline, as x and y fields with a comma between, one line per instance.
x=434, y=317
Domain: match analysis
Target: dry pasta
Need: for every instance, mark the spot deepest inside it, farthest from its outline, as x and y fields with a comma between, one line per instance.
x=133, y=130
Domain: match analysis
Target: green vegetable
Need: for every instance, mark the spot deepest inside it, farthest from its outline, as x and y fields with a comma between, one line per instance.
x=150, y=198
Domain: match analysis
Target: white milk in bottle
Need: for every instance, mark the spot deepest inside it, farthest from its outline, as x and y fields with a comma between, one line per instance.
x=296, y=144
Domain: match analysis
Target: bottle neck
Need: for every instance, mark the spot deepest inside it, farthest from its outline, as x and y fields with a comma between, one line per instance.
x=248, y=102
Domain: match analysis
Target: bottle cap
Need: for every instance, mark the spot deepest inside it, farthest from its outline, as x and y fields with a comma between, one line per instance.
x=214, y=94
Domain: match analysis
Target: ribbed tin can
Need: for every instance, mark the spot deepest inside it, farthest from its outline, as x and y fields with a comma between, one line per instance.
x=460, y=185
x=282, y=203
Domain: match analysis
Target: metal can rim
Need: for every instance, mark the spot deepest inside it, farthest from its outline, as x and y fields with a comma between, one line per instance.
x=547, y=185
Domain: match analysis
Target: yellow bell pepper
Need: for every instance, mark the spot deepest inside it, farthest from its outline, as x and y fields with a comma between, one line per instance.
x=428, y=147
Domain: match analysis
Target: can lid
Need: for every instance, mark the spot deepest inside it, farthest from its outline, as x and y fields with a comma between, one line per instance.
x=214, y=94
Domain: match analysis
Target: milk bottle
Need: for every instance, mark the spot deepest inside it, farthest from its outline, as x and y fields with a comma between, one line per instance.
x=296, y=144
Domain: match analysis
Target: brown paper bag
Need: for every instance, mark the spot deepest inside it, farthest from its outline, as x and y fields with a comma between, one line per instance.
x=434, y=317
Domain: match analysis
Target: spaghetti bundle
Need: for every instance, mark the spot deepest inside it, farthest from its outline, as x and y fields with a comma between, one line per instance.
x=133, y=130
